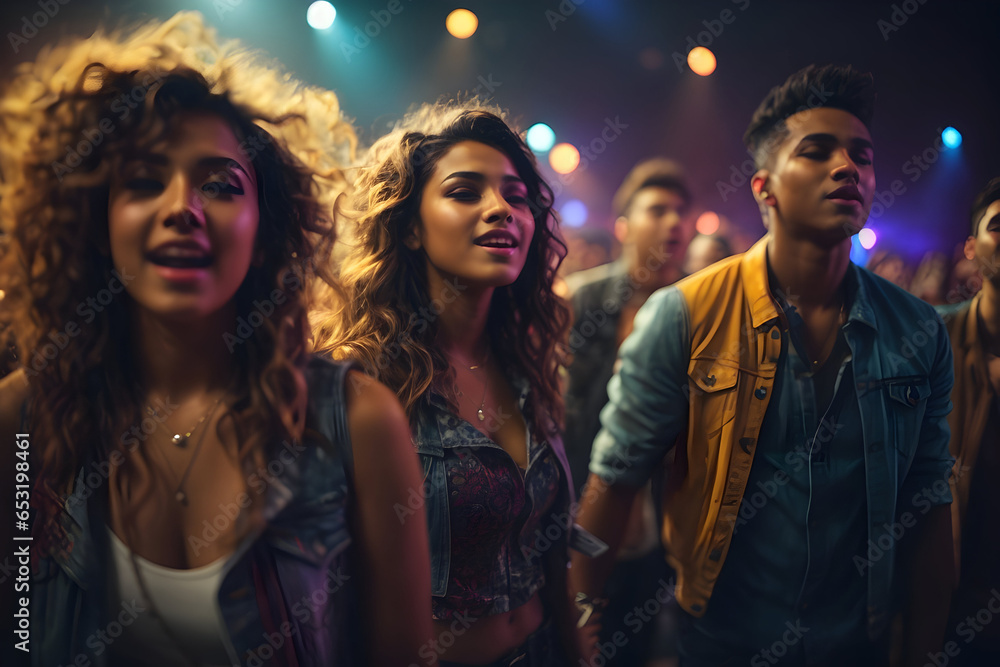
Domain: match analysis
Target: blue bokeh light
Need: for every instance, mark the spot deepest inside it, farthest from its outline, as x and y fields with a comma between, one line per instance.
x=951, y=137
x=574, y=213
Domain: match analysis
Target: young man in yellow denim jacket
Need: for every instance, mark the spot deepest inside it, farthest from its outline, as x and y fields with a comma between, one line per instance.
x=802, y=402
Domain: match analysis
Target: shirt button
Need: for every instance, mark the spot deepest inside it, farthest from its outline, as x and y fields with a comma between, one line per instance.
x=775, y=334
x=761, y=392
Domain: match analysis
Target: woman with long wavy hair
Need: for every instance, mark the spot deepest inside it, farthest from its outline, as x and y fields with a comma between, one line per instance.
x=448, y=301
x=203, y=482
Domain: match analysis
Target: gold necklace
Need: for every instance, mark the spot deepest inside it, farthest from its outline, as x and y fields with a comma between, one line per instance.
x=181, y=440
x=480, y=414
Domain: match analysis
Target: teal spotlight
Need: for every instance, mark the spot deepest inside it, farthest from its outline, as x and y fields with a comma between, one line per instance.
x=951, y=137
x=540, y=138
x=320, y=15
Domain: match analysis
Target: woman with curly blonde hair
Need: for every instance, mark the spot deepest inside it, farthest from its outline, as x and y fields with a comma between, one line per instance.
x=202, y=481
x=449, y=302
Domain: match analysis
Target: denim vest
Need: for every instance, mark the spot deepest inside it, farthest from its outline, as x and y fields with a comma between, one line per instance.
x=287, y=594
x=439, y=430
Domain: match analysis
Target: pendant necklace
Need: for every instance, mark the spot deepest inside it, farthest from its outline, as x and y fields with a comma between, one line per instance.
x=181, y=440
x=480, y=414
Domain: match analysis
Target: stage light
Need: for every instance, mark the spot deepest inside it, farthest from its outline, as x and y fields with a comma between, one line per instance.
x=701, y=61
x=540, y=137
x=320, y=15
x=564, y=158
x=867, y=238
x=461, y=23
x=574, y=213
x=951, y=137
x=707, y=223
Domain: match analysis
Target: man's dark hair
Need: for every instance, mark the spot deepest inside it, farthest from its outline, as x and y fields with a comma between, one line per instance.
x=653, y=173
x=987, y=196
x=832, y=86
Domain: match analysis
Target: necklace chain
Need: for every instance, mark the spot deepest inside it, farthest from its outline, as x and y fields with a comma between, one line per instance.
x=181, y=440
x=480, y=414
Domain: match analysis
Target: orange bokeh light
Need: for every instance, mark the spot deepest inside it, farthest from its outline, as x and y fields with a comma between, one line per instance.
x=461, y=23
x=701, y=61
x=708, y=223
x=564, y=158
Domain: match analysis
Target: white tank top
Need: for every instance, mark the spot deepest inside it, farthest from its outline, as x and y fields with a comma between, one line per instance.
x=185, y=599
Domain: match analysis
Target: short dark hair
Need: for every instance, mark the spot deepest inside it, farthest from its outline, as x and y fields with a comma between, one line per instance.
x=986, y=196
x=831, y=86
x=653, y=173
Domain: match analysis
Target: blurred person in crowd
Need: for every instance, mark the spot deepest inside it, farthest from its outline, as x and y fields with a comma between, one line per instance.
x=587, y=247
x=892, y=267
x=797, y=431
x=930, y=280
x=705, y=250
x=156, y=282
x=966, y=278
x=655, y=229
x=974, y=330
x=449, y=302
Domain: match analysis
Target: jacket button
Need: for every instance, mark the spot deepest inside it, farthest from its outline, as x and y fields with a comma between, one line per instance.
x=761, y=392
x=696, y=607
x=775, y=334
x=746, y=444
x=710, y=380
x=715, y=555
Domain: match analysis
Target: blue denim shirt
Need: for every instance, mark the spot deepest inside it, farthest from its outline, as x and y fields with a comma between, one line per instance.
x=287, y=595
x=902, y=373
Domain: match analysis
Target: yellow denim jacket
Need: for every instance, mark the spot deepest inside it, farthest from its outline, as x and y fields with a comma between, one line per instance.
x=698, y=373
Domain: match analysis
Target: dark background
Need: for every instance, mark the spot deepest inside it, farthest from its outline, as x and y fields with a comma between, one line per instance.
x=575, y=65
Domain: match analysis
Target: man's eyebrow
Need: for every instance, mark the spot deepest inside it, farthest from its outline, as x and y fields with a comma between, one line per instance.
x=826, y=138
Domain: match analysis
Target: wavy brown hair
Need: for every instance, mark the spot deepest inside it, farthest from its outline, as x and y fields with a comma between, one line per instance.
x=388, y=318
x=67, y=121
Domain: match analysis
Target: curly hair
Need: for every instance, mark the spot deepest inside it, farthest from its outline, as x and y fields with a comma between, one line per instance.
x=388, y=320
x=831, y=86
x=68, y=121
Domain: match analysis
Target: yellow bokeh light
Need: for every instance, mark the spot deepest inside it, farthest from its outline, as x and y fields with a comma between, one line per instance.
x=461, y=23
x=701, y=61
x=564, y=158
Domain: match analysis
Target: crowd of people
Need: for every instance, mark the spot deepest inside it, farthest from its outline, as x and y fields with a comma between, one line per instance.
x=294, y=401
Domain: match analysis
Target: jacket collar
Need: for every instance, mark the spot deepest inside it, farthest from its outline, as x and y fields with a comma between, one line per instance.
x=763, y=305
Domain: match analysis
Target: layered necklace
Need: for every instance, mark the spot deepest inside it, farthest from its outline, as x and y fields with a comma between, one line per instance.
x=181, y=439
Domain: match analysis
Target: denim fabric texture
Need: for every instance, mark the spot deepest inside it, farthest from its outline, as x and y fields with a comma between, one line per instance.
x=268, y=592
x=695, y=383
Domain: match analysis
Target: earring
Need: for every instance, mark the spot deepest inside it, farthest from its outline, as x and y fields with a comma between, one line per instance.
x=764, y=194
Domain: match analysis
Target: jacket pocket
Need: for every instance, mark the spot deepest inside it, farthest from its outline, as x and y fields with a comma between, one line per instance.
x=906, y=405
x=712, y=383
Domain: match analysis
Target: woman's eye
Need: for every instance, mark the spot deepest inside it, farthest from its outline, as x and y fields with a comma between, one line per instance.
x=516, y=198
x=464, y=194
x=815, y=155
x=217, y=188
